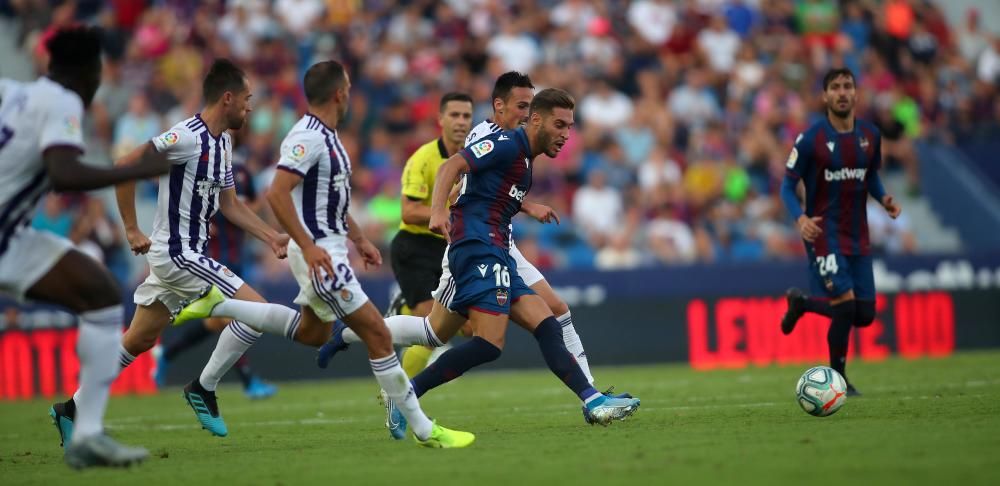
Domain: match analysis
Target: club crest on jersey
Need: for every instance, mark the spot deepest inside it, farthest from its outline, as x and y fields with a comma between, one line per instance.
x=502, y=297
x=863, y=143
x=828, y=283
x=170, y=138
x=346, y=295
x=298, y=151
x=228, y=272
x=482, y=148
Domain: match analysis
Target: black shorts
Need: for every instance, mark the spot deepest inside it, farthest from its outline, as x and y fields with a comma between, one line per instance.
x=416, y=261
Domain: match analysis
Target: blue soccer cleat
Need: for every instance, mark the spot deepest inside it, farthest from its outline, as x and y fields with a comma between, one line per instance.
x=258, y=389
x=605, y=409
x=206, y=408
x=62, y=414
x=610, y=393
x=394, y=419
x=335, y=345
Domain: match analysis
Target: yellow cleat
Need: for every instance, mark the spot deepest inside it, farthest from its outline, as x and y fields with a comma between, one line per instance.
x=442, y=438
x=200, y=308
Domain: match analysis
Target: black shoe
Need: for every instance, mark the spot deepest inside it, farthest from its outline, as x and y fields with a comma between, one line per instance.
x=396, y=303
x=206, y=408
x=796, y=308
x=852, y=392
x=63, y=414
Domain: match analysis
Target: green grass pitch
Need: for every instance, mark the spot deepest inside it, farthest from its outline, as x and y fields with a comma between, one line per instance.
x=934, y=421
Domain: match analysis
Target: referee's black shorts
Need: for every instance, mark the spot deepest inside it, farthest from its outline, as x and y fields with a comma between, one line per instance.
x=416, y=261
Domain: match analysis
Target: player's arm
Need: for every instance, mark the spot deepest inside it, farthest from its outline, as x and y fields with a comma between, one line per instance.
x=238, y=213
x=414, y=190
x=447, y=176
x=874, y=183
x=125, y=195
x=279, y=197
x=368, y=251
x=540, y=212
x=796, y=166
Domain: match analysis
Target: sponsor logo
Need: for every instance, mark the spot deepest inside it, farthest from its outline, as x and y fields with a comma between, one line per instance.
x=298, y=151
x=844, y=174
x=482, y=148
x=863, y=142
x=527, y=163
x=792, y=158
x=503, y=137
x=170, y=138
x=516, y=193
x=799, y=138
x=346, y=295
x=502, y=297
x=208, y=187
x=830, y=146
x=482, y=270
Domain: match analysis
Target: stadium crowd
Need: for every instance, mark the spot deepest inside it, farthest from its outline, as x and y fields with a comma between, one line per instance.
x=686, y=111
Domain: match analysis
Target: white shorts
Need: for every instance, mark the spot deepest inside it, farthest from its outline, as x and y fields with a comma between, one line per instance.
x=331, y=297
x=29, y=256
x=174, y=279
x=445, y=291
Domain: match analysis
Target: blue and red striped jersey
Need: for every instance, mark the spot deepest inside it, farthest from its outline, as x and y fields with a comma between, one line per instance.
x=835, y=168
x=491, y=193
x=226, y=244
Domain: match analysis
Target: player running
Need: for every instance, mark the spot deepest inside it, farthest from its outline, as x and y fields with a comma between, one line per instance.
x=416, y=251
x=837, y=160
x=311, y=196
x=40, y=147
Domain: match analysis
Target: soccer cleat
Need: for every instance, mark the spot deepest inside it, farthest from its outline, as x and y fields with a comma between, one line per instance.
x=610, y=393
x=101, y=450
x=335, y=345
x=852, y=392
x=206, y=408
x=605, y=410
x=442, y=438
x=258, y=389
x=199, y=308
x=796, y=308
x=394, y=419
x=62, y=414
x=396, y=304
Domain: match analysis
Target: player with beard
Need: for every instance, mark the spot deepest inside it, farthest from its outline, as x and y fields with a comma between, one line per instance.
x=837, y=161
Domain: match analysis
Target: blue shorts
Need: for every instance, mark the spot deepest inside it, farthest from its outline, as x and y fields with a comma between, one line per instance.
x=486, y=278
x=834, y=274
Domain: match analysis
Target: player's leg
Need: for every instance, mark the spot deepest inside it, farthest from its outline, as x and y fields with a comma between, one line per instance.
x=485, y=346
x=863, y=277
x=88, y=289
x=798, y=304
x=190, y=336
x=415, y=357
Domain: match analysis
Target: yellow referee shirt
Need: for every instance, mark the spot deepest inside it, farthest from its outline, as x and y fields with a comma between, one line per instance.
x=418, y=179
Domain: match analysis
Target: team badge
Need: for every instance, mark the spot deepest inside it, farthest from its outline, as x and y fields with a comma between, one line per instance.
x=501, y=297
x=863, y=143
x=346, y=295
x=792, y=158
x=228, y=272
x=170, y=138
x=482, y=148
x=828, y=283
x=298, y=151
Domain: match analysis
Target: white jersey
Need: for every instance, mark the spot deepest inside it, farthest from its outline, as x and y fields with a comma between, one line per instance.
x=313, y=151
x=481, y=130
x=34, y=117
x=189, y=195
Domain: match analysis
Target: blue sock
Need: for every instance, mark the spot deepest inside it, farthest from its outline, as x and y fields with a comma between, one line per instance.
x=454, y=362
x=561, y=361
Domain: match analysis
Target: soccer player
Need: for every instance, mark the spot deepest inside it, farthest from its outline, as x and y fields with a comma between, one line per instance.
x=311, y=196
x=225, y=247
x=837, y=160
x=200, y=182
x=416, y=251
x=40, y=147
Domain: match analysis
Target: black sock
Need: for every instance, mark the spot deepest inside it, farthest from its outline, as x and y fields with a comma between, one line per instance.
x=454, y=362
x=560, y=360
x=193, y=334
x=839, y=335
x=243, y=369
x=818, y=306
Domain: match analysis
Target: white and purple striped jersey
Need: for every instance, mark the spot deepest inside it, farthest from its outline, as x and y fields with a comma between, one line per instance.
x=34, y=117
x=189, y=196
x=313, y=151
x=481, y=130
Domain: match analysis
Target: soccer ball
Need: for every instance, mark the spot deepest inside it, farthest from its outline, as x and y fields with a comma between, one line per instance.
x=821, y=391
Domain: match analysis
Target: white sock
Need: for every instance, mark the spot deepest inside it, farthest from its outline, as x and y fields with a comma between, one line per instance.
x=406, y=330
x=124, y=360
x=100, y=335
x=393, y=380
x=234, y=340
x=574, y=345
x=264, y=317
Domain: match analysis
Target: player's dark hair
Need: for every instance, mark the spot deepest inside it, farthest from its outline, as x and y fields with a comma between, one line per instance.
x=453, y=96
x=549, y=99
x=835, y=73
x=74, y=50
x=322, y=80
x=507, y=82
x=222, y=76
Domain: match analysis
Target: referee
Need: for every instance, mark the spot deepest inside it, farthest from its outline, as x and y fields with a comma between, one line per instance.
x=416, y=251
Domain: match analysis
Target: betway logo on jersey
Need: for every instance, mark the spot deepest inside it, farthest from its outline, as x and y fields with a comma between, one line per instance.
x=516, y=193
x=844, y=174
